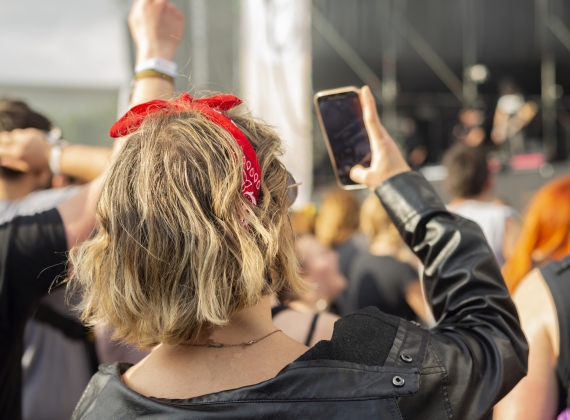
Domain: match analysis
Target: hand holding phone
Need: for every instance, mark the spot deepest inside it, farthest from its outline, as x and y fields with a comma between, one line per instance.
x=341, y=118
x=362, y=152
x=387, y=160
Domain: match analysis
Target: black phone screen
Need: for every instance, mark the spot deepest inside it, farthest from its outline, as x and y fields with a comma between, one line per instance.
x=344, y=124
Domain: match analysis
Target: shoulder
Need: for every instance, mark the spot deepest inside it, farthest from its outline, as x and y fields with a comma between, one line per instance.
x=475, y=206
x=536, y=307
x=364, y=337
x=324, y=327
x=32, y=232
x=35, y=202
x=104, y=387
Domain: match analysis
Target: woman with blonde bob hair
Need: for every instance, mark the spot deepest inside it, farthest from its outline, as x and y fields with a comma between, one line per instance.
x=194, y=237
x=174, y=221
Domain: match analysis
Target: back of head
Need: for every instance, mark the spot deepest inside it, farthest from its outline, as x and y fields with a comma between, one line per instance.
x=179, y=247
x=376, y=224
x=17, y=114
x=467, y=170
x=546, y=231
x=337, y=219
x=14, y=115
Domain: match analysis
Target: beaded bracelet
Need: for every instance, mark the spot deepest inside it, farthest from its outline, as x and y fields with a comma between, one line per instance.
x=153, y=73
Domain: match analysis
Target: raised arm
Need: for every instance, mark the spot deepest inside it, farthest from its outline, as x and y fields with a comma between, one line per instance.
x=156, y=27
x=28, y=150
x=477, y=344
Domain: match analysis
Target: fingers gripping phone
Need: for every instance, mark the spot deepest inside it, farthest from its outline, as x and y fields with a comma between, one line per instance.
x=342, y=123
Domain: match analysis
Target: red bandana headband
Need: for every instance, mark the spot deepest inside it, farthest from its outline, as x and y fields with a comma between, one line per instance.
x=211, y=108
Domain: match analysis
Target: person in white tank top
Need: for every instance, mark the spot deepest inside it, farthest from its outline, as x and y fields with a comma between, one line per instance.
x=470, y=184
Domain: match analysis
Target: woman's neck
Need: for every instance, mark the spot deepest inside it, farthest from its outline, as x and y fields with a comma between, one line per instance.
x=248, y=324
x=186, y=371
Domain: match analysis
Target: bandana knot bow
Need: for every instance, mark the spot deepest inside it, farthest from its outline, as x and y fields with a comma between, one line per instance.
x=212, y=108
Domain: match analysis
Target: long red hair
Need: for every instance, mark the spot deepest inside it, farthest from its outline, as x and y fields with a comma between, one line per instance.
x=546, y=232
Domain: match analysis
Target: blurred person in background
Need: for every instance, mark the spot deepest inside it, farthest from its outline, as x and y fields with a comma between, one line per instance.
x=336, y=226
x=57, y=347
x=512, y=114
x=470, y=129
x=470, y=184
x=545, y=233
x=384, y=277
x=538, y=275
x=304, y=316
x=543, y=303
x=80, y=164
x=415, y=144
x=303, y=220
x=33, y=242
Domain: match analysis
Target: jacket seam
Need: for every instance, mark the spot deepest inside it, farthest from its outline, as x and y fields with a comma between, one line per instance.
x=273, y=400
x=445, y=385
x=387, y=369
x=398, y=408
x=438, y=372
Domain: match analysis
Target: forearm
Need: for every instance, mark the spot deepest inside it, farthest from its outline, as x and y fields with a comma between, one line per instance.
x=447, y=245
x=151, y=88
x=156, y=28
x=84, y=162
x=477, y=338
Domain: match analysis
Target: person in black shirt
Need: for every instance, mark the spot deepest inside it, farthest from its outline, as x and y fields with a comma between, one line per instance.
x=32, y=255
x=382, y=276
x=33, y=248
x=381, y=281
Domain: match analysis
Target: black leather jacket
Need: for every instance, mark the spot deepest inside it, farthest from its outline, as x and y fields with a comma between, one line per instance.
x=378, y=366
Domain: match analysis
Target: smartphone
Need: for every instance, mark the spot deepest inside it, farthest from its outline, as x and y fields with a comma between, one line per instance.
x=342, y=123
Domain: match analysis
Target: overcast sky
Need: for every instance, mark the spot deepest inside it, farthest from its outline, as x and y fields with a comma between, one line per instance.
x=63, y=42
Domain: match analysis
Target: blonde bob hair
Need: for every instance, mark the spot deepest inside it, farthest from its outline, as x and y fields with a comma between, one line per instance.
x=179, y=248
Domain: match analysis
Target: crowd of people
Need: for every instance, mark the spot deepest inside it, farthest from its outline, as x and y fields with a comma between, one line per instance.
x=168, y=277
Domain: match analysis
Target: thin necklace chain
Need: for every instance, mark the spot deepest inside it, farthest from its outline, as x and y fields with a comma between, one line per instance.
x=244, y=344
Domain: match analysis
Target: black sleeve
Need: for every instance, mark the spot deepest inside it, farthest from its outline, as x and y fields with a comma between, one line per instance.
x=32, y=255
x=478, y=341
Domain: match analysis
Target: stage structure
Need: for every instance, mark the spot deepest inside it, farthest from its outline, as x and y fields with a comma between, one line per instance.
x=409, y=50
x=423, y=60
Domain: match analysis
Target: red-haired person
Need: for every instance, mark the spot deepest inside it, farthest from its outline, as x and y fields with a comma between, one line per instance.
x=545, y=234
x=543, y=300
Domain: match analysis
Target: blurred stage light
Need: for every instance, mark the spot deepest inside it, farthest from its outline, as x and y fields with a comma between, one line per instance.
x=555, y=91
x=477, y=73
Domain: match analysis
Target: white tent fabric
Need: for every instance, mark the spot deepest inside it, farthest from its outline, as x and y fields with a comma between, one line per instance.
x=276, y=77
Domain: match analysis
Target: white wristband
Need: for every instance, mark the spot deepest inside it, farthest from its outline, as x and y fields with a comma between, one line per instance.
x=170, y=68
x=55, y=157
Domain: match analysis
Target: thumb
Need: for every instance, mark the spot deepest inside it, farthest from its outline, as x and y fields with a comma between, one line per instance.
x=358, y=174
